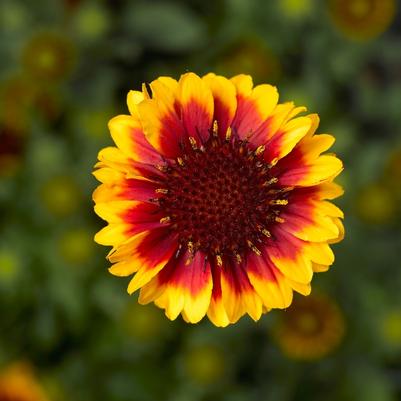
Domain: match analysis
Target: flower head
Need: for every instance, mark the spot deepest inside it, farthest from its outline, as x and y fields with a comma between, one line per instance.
x=362, y=19
x=48, y=56
x=311, y=328
x=17, y=382
x=216, y=198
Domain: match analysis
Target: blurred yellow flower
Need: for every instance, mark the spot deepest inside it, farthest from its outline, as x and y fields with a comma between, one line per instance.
x=61, y=195
x=376, y=204
x=91, y=21
x=48, y=56
x=362, y=19
x=9, y=265
x=76, y=245
x=18, y=383
x=311, y=328
x=250, y=56
x=391, y=328
x=296, y=8
x=205, y=364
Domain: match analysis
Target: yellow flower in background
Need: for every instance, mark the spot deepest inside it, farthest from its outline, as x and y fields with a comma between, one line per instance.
x=296, y=8
x=217, y=198
x=76, y=246
x=205, y=364
x=311, y=328
x=250, y=56
x=23, y=98
x=391, y=328
x=48, y=56
x=376, y=203
x=61, y=195
x=362, y=19
x=18, y=383
x=91, y=21
x=10, y=265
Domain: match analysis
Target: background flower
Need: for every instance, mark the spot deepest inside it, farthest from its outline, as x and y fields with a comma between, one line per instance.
x=311, y=329
x=17, y=382
x=59, y=307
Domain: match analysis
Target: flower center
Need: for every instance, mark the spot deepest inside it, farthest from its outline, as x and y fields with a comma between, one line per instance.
x=222, y=198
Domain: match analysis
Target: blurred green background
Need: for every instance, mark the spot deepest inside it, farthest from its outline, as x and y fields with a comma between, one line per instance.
x=65, y=69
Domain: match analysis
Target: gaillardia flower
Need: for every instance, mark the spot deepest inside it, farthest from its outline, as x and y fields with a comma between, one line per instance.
x=216, y=198
x=362, y=19
x=311, y=329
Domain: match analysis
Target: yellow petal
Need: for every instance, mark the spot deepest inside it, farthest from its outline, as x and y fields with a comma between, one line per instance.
x=243, y=84
x=112, y=234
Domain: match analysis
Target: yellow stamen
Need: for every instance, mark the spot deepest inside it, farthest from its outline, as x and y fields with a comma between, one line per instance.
x=180, y=161
x=164, y=220
x=279, y=202
x=273, y=162
x=266, y=233
x=228, y=134
x=190, y=246
x=161, y=191
x=259, y=150
x=238, y=257
x=215, y=128
x=219, y=260
x=192, y=141
x=161, y=168
x=280, y=191
x=279, y=219
x=253, y=247
x=270, y=182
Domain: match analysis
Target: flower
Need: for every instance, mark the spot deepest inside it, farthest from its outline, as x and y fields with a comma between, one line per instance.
x=362, y=19
x=48, y=56
x=311, y=328
x=376, y=204
x=391, y=328
x=75, y=246
x=250, y=55
x=216, y=198
x=17, y=382
x=205, y=364
x=10, y=265
x=296, y=8
x=61, y=195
